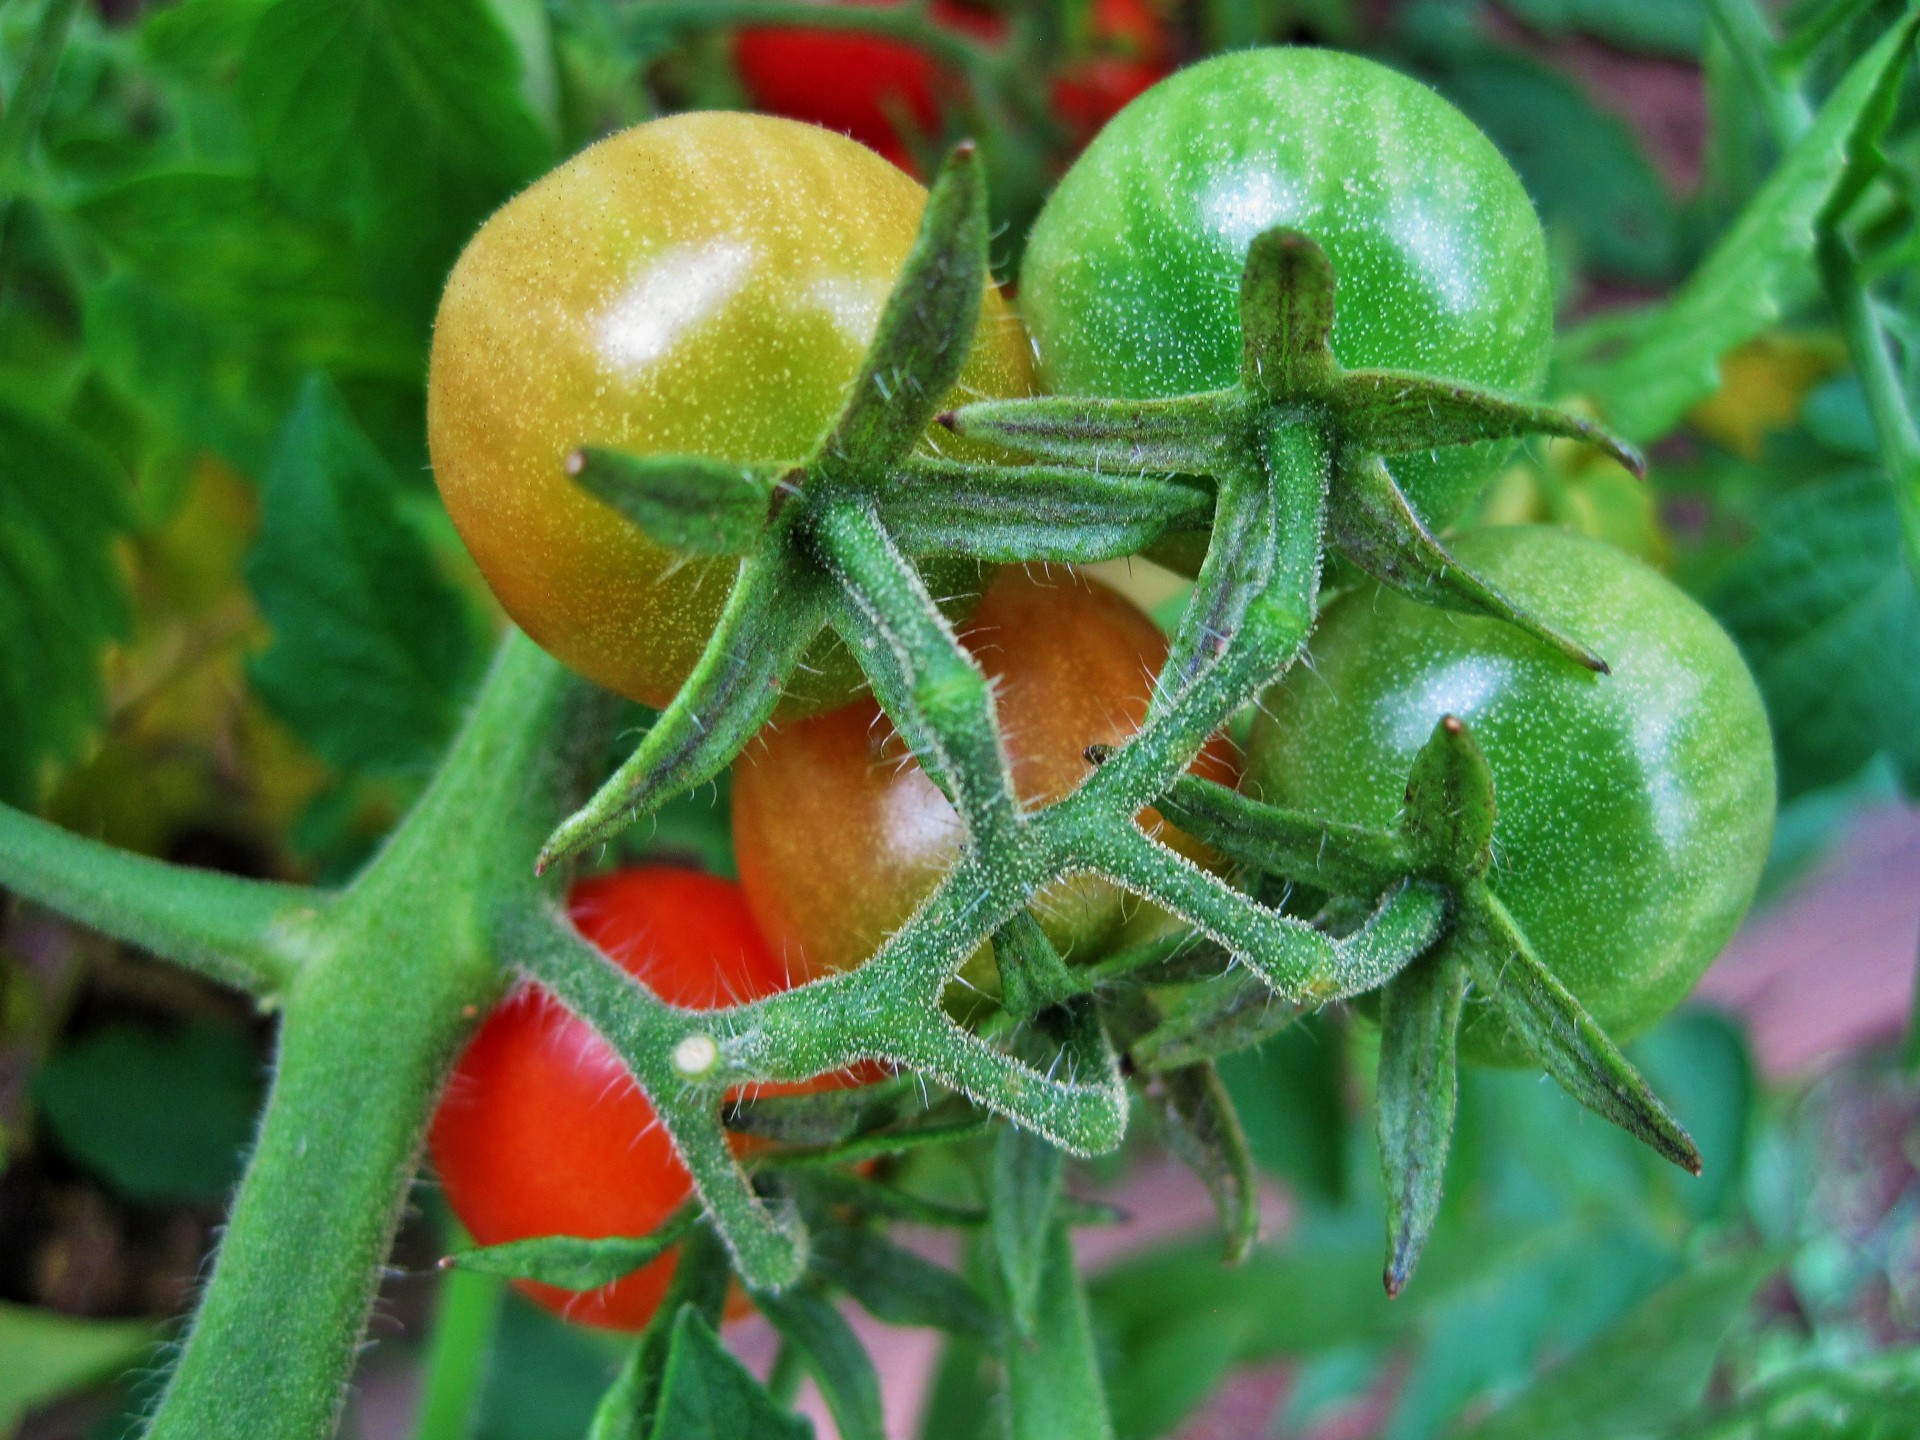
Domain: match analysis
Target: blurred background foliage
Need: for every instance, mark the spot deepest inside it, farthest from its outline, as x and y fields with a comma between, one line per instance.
x=236, y=627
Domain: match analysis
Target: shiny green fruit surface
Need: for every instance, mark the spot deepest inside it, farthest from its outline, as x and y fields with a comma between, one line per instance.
x=1130, y=284
x=705, y=284
x=1635, y=808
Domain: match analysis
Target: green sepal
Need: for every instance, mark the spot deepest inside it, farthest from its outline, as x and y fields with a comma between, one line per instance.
x=824, y=1117
x=1370, y=521
x=1181, y=435
x=898, y=1287
x=1558, y=1032
x=927, y=327
x=807, y=1320
x=687, y=503
x=573, y=1263
x=880, y=1143
x=1014, y=515
x=772, y=614
x=1418, y=1088
x=1286, y=317
x=1330, y=855
x=1201, y=1127
x=1398, y=412
x=1449, y=813
x=1230, y=1013
x=1032, y=974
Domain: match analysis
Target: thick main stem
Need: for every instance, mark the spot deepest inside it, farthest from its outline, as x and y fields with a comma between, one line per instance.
x=403, y=967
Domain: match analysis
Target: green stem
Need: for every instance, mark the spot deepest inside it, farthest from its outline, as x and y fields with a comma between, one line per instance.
x=456, y=1363
x=403, y=966
x=1752, y=45
x=244, y=933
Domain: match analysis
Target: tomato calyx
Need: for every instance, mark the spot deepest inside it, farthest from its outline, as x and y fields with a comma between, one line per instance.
x=1445, y=838
x=1290, y=379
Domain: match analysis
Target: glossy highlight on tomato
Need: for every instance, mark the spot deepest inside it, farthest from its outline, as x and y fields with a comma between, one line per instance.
x=839, y=835
x=543, y=1132
x=1634, y=809
x=704, y=284
x=1131, y=279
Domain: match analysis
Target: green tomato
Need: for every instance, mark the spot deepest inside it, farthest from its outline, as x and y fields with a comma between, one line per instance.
x=1131, y=280
x=703, y=285
x=1635, y=808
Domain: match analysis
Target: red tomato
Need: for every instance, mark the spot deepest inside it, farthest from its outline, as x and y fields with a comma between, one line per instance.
x=543, y=1132
x=867, y=86
x=839, y=835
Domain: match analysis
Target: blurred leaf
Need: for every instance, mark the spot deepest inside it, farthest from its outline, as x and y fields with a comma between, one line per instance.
x=1699, y=1061
x=543, y=1378
x=1646, y=370
x=404, y=116
x=1583, y=166
x=1836, y=416
x=1763, y=387
x=1641, y=1372
x=373, y=650
x=63, y=502
x=1287, y=1093
x=834, y=1356
x=1026, y=1184
x=48, y=1356
x=1666, y=27
x=708, y=1395
x=158, y=1115
x=1054, y=1389
x=1827, y=616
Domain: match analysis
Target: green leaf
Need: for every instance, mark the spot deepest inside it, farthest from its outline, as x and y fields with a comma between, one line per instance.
x=1581, y=164
x=1642, y=1371
x=403, y=116
x=1201, y=1128
x=574, y=1263
x=1054, y=1389
x=1646, y=371
x=1666, y=27
x=373, y=650
x=63, y=502
x=48, y=1356
x=542, y=1376
x=706, y=1394
x=1026, y=1185
x=807, y=1319
x=161, y=1116
x=896, y=1286
x=1828, y=618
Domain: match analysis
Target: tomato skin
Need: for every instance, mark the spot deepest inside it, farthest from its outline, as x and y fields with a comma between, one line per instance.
x=1635, y=809
x=838, y=835
x=862, y=85
x=704, y=284
x=1130, y=283
x=543, y=1132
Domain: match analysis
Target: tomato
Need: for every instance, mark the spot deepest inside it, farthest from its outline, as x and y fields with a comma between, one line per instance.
x=1635, y=808
x=543, y=1132
x=839, y=835
x=866, y=86
x=705, y=284
x=1131, y=279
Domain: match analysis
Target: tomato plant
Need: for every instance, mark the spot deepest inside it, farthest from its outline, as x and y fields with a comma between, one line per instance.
x=543, y=1132
x=704, y=284
x=1130, y=276
x=1071, y=663
x=1633, y=809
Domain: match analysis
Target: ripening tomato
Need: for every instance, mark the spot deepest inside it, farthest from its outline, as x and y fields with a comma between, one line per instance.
x=705, y=284
x=1635, y=808
x=869, y=86
x=543, y=1132
x=839, y=835
x=1130, y=283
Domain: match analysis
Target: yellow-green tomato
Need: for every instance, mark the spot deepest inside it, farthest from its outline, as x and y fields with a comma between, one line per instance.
x=1635, y=808
x=701, y=285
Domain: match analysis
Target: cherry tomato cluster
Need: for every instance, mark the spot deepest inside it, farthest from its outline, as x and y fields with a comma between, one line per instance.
x=707, y=285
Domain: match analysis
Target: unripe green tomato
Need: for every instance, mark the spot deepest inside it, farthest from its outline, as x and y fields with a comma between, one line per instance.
x=1635, y=808
x=1130, y=284
x=702, y=285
